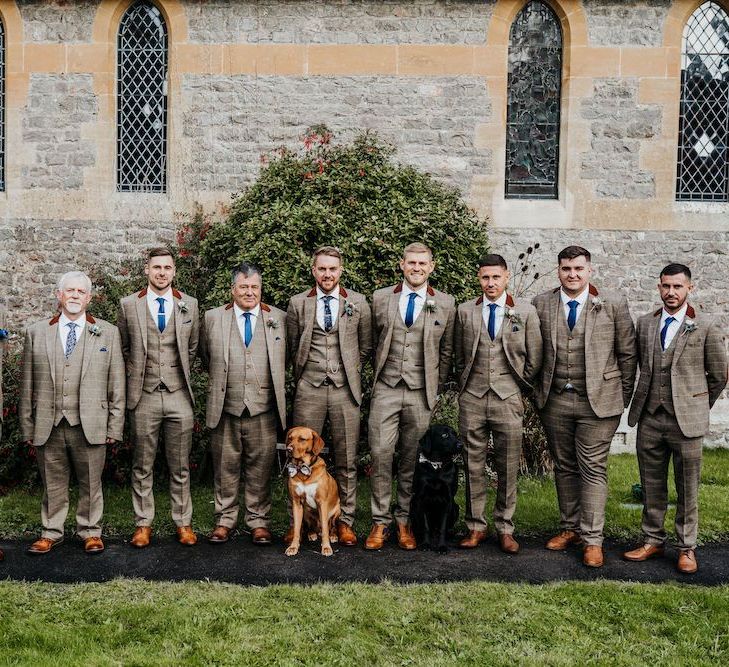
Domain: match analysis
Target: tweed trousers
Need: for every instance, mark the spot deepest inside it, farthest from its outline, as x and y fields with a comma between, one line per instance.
x=659, y=437
x=172, y=414
x=579, y=442
x=396, y=414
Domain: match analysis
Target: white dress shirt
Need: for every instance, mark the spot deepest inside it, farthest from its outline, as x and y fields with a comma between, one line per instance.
x=255, y=312
x=64, y=330
x=499, y=313
x=333, y=306
x=153, y=304
x=419, y=301
x=581, y=299
x=674, y=327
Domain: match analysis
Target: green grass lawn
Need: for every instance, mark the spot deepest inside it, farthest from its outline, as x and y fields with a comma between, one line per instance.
x=536, y=512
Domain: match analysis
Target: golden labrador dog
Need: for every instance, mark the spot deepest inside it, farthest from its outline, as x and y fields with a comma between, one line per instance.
x=313, y=491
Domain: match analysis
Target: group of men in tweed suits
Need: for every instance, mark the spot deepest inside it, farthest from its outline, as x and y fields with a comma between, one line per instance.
x=573, y=349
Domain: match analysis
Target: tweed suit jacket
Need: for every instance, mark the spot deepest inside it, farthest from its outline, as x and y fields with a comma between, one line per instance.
x=437, y=334
x=521, y=339
x=2, y=354
x=132, y=323
x=698, y=371
x=102, y=390
x=215, y=348
x=354, y=331
x=611, y=357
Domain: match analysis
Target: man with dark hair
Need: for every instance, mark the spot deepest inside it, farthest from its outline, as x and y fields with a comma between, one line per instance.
x=683, y=370
x=159, y=329
x=586, y=382
x=498, y=349
x=329, y=335
x=243, y=347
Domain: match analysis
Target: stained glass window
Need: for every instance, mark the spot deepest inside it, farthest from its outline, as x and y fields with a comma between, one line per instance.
x=142, y=100
x=533, y=106
x=704, y=109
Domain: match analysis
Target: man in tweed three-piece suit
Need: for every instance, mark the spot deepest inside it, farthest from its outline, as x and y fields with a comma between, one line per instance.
x=683, y=370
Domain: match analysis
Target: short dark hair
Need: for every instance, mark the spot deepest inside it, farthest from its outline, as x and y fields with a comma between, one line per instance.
x=573, y=252
x=159, y=251
x=674, y=269
x=245, y=268
x=492, y=259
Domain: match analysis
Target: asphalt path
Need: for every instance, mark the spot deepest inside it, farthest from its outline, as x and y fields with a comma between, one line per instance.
x=241, y=562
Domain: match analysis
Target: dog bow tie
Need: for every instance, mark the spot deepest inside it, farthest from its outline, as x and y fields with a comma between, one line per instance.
x=436, y=464
x=303, y=469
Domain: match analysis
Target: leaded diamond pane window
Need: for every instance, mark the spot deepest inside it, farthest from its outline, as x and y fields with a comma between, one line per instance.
x=142, y=100
x=533, y=106
x=704, y=111
x=2, y=106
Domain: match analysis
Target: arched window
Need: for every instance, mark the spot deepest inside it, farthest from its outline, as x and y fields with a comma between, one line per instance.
x=142, y=100
x=2, y=106
x=704, y=112
x=533, y=106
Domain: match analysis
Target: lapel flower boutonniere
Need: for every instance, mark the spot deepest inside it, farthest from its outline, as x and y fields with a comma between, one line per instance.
x=94, y=330
x=348, y=309
x=182, y=306
x=271, y=323
x=597, y=303
x=4, y=334
x=514, y=319
x=688, y=326
x=430, y=306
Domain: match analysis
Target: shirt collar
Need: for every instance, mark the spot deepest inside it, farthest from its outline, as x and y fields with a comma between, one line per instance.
x=152, y=296
x=320, y=294
x=421, y=292
x=500, y=302
x=253, y=311
x=679, y=315
x=580, y=298
x=63, y=321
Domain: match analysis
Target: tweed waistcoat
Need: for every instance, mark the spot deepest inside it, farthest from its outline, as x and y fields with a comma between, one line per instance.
x=491, y=370
x=163, y=359
x=405, y=358
x=68, y=381
x=325, y=357
x=569, y=367
x=659, y=395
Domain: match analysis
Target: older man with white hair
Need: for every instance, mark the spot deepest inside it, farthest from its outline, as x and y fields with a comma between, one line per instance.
x=71, y=406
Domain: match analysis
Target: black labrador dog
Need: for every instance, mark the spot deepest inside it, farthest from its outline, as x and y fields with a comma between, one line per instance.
x=433, y=508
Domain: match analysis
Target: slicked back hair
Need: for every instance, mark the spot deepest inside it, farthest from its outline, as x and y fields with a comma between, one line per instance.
x=492, y=260
x=72, y=275
x=674, y=269
x=246, y=269
x=573, y=252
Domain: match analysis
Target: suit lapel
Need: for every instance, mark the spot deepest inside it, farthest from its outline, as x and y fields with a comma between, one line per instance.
x=227, y=321
x=88, y=349
x=476, y=327
x=650, y=332
x=178, y=321
x=51, y=339
x=681, y=336
x=269, y=333
x=553, y=313
x=142, y=310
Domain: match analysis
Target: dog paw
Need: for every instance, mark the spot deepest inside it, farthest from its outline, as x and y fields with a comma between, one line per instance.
x=292, y=550
x=333, y=538
x=312, y=537
x=327, y=551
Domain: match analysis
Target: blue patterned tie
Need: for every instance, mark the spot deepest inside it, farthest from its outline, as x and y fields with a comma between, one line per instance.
x=327, y=314
x=492, y=320
x=161, y=314
x=248, y=331
x=71, y=339
x=664, y=331
x=410, y=312
x=572, y=317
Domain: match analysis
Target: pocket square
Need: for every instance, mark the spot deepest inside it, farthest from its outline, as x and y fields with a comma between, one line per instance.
x=103, y=349
x=436, y=323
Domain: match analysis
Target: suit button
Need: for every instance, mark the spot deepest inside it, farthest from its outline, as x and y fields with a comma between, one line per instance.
x=407, y=344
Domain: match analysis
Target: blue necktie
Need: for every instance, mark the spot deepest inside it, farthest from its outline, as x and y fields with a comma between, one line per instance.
x=492, y=320
x=664, y=331
x=248, y=332
x=327, y=314
x=161, y=314
x=572, y=317
x=410, y=312
x=71, y=339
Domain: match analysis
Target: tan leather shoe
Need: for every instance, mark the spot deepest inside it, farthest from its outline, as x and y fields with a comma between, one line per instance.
x=345, y=534
x=643, y=552
x=377, y=537
x=220, y=535
x=288, y=538
x=473, y=539
x=261, y=536
x=93, y=545
x=405, y=537
x=687, y=563
x=142, y=536
x=186, y=536
x=592, y=556
x=44, y=545
x=508, y=544
x=563, y=540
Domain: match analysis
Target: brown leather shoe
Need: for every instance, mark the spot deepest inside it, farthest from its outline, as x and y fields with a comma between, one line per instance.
x=508, y=544
x=288, y=538
x=261, y=536
x=563, y=540
x=44, y=545
x=473, y=539
x=345, y=534
x=220, y=535
x=644, y=552
x=142, y=536
x=93, y=545
x=687, y=563
x=186, y=536
x=405, y=537
x=592, y=556
x=377, y=537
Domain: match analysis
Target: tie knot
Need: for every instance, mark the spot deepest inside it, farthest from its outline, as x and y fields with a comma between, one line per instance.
x=413, y=296
x=573, y=304
x=327, y=298
x=247, y=315
x=669, y=320
x=493, y=307
x=72, y=325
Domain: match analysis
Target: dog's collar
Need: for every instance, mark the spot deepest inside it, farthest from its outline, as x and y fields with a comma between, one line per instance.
x=302, y=468
x=437, y=465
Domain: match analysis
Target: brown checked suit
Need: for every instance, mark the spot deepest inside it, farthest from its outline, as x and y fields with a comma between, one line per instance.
x=2, y=354
x=160, y=398
x=676, y=389
x=68, y=408
x=327, y=370
x=407, y=379
x=245, y=402
x=586, y=382
x=492, y=376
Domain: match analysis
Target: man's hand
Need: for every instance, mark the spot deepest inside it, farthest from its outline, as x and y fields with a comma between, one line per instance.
x=28, y=443
x=110, y=441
